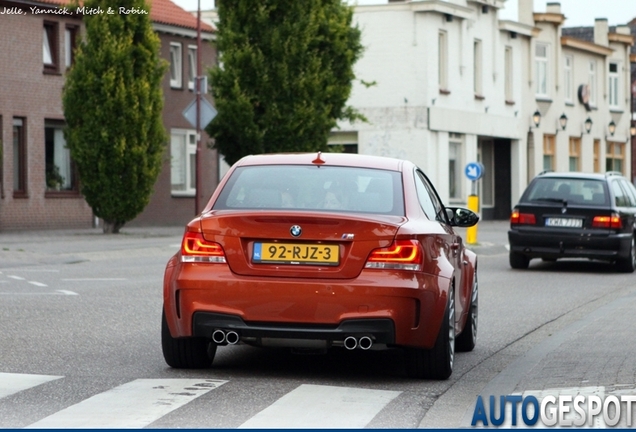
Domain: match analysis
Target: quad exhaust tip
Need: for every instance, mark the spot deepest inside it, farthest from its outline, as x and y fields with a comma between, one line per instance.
x=221, y=337
x=364, y=343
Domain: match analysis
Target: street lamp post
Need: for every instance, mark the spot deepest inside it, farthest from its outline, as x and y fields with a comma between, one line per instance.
x=197, y=85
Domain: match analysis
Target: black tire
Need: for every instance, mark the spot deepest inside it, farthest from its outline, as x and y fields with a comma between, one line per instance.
x=518, y=261
x=436, y=363
x=467, y=339
x=185, y=353
x=628, y=264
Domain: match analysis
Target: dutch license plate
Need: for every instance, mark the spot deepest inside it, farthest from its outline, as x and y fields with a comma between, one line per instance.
x=295, y=253
x=564, y=222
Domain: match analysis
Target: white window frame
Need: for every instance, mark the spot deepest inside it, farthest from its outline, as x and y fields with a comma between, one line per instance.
x=443, y=60
x=477, y=68
x=541, y=69
x=614, y=87
x=176, y=65
x=455, y=153
x=592, y=81
x=192, y=66
x=509, y=68
x=567, y=79
x=183, y=148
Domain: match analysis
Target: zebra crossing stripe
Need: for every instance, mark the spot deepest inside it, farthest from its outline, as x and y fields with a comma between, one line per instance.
x=135, y=404
x=318, y=406
x=11, y=383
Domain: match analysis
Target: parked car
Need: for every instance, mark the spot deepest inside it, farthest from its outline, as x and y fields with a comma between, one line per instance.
x=313, y=252
x=575, y=215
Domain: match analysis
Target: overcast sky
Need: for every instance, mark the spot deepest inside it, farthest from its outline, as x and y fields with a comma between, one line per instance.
x=577, y=12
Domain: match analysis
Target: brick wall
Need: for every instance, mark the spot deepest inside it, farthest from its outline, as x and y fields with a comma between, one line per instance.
x=28, y=92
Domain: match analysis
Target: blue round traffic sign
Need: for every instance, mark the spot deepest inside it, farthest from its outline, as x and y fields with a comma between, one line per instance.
x=474, y=170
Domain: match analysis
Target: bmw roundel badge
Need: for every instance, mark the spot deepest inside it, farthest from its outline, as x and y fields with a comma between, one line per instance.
x=295, y=230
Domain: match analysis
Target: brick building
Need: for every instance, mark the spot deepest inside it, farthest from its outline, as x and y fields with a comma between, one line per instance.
x=39, y=188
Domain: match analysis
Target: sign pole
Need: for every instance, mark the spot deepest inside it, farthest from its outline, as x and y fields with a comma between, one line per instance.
x=197, y=85
x=474, y=171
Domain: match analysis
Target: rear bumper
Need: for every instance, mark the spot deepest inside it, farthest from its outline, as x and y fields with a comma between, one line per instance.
x=399, y=308
x=548, y=243
x=381, y=331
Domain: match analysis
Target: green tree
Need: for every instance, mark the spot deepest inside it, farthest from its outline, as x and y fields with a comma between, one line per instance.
x=285, y=74
x=113, y=103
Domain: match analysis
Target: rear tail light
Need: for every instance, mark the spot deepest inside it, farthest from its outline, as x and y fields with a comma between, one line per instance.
x=612, y=221
x=401, y=255
x=522, y=218
x=195, y=248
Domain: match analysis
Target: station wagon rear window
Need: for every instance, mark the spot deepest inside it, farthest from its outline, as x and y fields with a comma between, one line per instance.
x=323, y=188
x=573, y=191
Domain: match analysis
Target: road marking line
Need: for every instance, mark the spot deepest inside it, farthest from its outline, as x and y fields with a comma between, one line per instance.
x=313, y=406
x=57, y=292
x=11, y=383
x=135, y=404
x=93, y=279
x=15, y=277
x=40, y=284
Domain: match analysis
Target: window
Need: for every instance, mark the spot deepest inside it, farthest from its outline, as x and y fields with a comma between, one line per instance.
x=443, y=62
x=575, y=154
x=455, y=171
x=614, y=81
x=49, y=47
x=592, y=82
x=477, y=68
x=192, y=66
x=183, y=150
x=70, y=36
x=567, y=79
x=620, y=199
x=343, y=142
x=428, y=198
x=486, y=155
x=19, y=158
x=508, y=65
x=597, y=155
x=175, y=65
x=615, y=157
x=548, y=152
x=59, y=169
x=541, y=66
x=305, y=188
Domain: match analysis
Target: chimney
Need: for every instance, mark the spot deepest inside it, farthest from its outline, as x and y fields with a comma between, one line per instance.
x=525, y=12
x=600, y=31
x=554, y=8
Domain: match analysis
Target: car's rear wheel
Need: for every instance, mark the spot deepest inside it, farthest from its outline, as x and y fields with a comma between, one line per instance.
x=628, y=264
x=436, y=363
x=467, y=339
x=185, y=353
x=518, y=261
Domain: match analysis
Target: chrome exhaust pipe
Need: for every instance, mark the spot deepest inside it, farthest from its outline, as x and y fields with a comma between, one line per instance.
x=231, y=337
x=350, y=343
x=218, y=337
x=365, y=342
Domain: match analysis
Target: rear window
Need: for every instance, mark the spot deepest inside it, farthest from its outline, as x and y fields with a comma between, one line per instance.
x=326, y=188
x=574, y=191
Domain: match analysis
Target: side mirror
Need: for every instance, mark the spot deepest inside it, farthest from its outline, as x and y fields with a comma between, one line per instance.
x=461, y=217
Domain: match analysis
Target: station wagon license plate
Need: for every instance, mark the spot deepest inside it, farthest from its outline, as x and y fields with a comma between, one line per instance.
x=564, y=222
x=295, y=253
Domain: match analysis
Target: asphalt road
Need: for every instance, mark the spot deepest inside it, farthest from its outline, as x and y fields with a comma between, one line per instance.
x=79, y=344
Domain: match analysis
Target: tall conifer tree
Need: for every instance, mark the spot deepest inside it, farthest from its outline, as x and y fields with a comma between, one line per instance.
x=285, y=74
x=113, y=104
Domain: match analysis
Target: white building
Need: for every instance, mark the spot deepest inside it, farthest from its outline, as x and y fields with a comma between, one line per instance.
x=444, y=83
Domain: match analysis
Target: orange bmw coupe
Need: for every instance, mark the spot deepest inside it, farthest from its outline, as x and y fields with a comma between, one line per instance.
x=320, y=251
